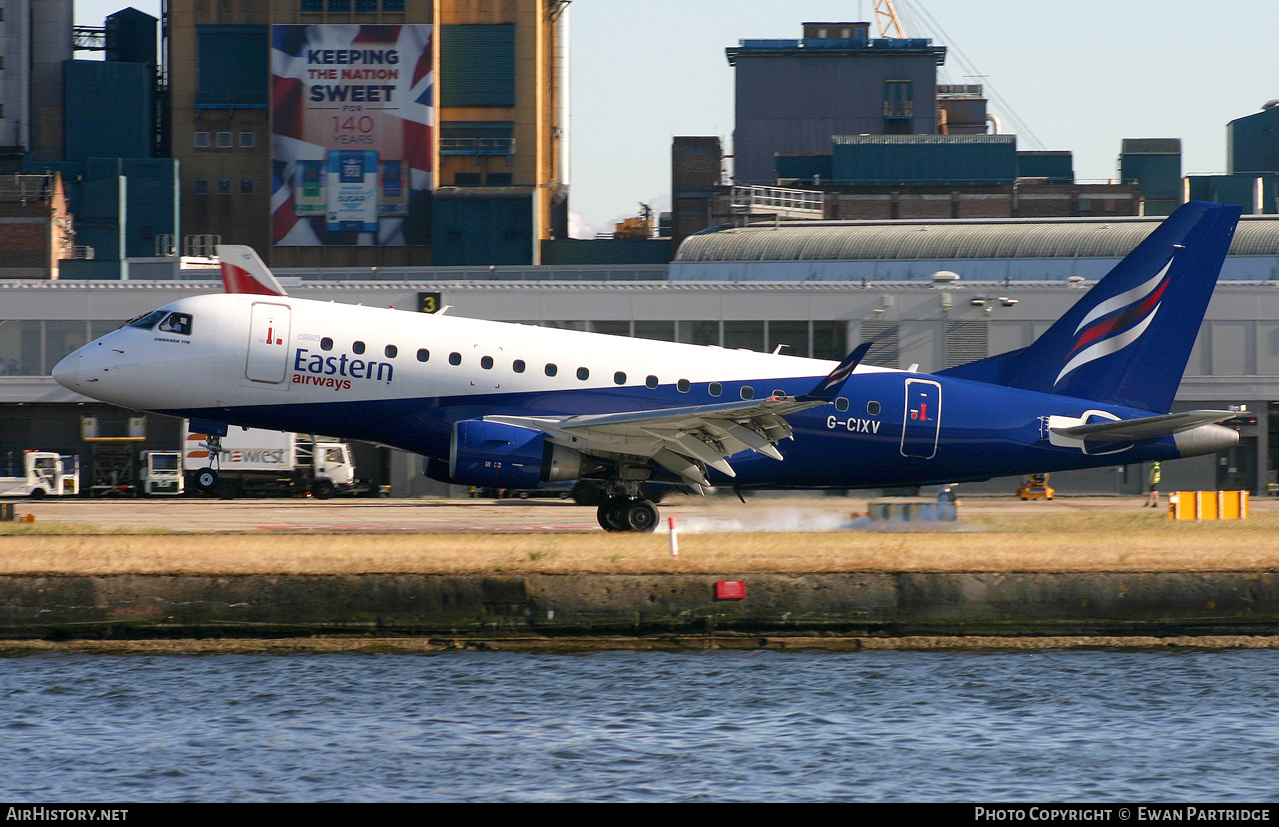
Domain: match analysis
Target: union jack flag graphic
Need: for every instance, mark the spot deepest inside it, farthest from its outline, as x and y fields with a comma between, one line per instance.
x=342, y=89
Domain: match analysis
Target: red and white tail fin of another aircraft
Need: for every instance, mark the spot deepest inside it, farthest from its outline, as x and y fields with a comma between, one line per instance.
x=244, y=272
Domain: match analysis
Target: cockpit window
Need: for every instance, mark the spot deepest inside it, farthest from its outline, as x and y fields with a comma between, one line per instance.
x=149, y=320
x=177, y=323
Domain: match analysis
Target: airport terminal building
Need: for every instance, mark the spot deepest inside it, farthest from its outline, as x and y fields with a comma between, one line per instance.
x=932, y=295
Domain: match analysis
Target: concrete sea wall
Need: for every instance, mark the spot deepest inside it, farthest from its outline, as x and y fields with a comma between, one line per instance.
x=66, y=607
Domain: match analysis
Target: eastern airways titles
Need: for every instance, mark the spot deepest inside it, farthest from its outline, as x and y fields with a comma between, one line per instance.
x=304, y=361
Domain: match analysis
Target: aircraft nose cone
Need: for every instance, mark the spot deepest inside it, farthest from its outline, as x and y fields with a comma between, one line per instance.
x=67, y=372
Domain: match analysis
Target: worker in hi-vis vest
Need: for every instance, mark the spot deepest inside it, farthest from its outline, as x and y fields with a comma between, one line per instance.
x=1152, y=499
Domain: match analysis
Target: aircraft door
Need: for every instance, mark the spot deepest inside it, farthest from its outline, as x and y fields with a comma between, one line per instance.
x=921, y=422
x=268, y=358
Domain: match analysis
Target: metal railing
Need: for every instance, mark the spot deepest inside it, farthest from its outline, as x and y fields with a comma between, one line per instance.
x=200, y=246
x=477, y=146
x=503, y=273
x=25, y=187
x=777, y=200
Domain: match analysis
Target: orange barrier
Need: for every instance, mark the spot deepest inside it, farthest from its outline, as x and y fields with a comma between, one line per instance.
x=1208, y=505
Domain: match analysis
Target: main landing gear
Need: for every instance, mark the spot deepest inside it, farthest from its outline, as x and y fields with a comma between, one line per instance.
x=624, y=514
x=622, y=505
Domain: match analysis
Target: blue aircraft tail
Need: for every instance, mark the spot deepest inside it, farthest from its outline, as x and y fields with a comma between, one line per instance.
x=1127, y=340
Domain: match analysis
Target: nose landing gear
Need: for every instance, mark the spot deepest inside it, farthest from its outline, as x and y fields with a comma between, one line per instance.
x=206, y=479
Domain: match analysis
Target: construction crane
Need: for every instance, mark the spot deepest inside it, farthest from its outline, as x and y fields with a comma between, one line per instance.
x=890, y=25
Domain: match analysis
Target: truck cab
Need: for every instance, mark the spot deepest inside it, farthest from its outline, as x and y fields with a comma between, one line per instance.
x=331, y=468
x=44, y=474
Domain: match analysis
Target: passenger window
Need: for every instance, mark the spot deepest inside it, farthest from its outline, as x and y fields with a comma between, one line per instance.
x=423, y=354
x=748, y=392
x=683, y=385
x=390, y=351
x=651, y=382
x=518, y=366
x=583, y=374
x=327, y=344
x=357, y=347
x=619, y=378
x=551, y=370
x=872, y=408
x=455, y=358
x=841, y=404
x=177, y=323
x=486, y=362
x=714, y=388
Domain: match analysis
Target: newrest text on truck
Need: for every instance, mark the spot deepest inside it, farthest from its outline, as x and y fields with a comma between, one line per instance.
x=255, y=461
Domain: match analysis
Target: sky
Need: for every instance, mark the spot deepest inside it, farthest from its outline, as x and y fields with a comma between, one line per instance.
x=1079, y=76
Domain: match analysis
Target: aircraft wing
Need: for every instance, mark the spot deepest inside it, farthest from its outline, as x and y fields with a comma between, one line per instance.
x=1147, y=427
x=682, y=439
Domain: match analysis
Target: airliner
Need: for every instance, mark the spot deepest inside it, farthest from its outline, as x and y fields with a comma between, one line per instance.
x=507, y=405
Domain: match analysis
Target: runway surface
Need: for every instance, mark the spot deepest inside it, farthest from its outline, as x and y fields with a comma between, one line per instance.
x=516, y=516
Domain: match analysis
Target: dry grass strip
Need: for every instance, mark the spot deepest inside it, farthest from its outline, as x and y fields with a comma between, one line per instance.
x=1106, y=541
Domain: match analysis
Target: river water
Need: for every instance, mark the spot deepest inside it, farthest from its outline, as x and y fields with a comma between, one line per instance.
x=1090, y=725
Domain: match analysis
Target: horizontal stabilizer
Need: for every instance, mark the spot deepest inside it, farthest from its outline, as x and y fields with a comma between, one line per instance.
x=1147, y=427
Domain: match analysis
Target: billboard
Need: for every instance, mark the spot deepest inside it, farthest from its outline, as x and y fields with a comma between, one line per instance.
x=352, y=118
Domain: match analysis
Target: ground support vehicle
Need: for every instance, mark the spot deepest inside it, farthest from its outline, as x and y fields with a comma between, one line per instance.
x=249, y=461
x=42, y=474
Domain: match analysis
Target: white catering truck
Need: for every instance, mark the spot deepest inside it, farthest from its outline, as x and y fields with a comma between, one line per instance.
x=255, y=461
x=41, y=474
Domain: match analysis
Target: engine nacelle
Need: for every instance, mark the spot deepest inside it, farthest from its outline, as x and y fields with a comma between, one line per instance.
x=494, y=455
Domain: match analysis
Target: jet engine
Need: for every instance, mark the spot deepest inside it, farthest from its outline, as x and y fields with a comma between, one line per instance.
x=494, y=455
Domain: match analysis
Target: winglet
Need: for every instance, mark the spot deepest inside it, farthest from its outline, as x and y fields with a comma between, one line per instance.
x=829, y=388
x=244, y=272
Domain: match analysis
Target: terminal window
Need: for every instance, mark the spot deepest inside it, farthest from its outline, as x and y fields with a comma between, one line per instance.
x=246, y=186
x=201, y=140
x=224, y=186
x=224, y=140
x=201, y=186
x=477, y=64
x=232, y=70
x=248, y=140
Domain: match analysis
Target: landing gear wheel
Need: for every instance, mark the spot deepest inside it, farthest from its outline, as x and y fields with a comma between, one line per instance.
x=623, y=514
x=322, y=489
x=641, y=515
x=206, y=479
x=611, y=515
